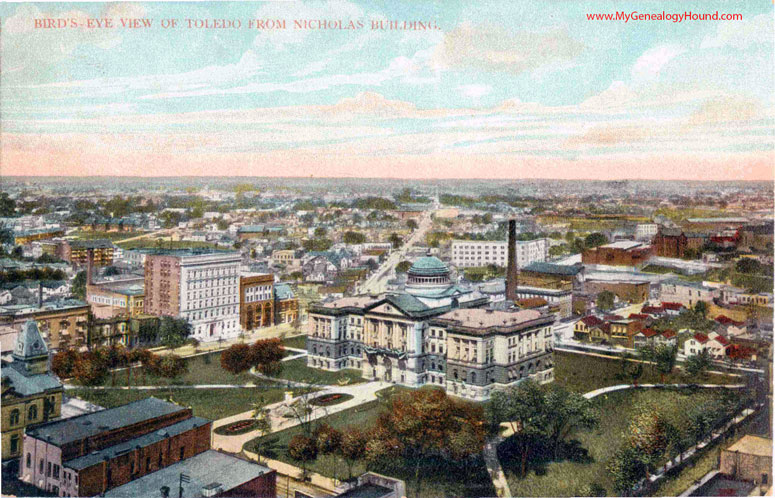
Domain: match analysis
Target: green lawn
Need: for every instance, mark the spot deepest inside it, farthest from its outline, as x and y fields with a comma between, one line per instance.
x=202, y=369
x=208, y=403
x=438, y=478
x=298, y=342
x=584, y=373
x=298, y=371
x=565, y=478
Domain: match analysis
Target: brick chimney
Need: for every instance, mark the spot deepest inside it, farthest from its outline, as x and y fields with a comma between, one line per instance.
x=512, y=270
x=89, y=266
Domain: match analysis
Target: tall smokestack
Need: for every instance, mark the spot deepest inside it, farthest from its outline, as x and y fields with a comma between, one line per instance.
x=40, y=294
x=512, y=270
x=89, y=266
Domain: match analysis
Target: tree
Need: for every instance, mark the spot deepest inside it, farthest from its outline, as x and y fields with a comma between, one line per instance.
x=567, y=412
x=396, y=240
x=522, y=407
x=266, y=355
x=411, y=224
x=626, y=469
x=595, y=239
x=261, y=422
x=90, y=369
x=237, y=358
x=421, y=424
x=748, y=265
x=303, y=449
x=79, y=285
x=173, y=332
x=665, y=357
x=7, y=205
x=701, y=308
x=352, y=447
x=327, y=439
x=321, y=231
x=696, y=364
x=403, y=266
x=63, y=363
x=111, y=271
x=648, y=436
x=605, y=300
x=169, y=366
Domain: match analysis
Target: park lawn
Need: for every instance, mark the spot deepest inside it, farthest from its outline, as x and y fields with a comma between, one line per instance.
x=583, y=373
x=212, y=404
x=438, y=478
x=298, y=371
x=202, y=369
x=565, y=478
x=298, y=342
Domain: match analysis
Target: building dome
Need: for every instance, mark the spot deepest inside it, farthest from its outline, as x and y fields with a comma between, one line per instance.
x=427, y=272
x=428, y=266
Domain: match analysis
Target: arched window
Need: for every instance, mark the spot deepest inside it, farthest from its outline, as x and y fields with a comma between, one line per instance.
x=473, y=378
x=32, y=414
x=454, y=374
x=14, y=416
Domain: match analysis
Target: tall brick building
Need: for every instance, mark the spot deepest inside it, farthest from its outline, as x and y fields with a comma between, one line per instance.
x=90, y=454
x=199, y=285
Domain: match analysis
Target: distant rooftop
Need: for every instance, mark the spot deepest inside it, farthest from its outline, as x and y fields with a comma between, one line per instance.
x=624, y=245
x=483, y=318
x=208, y=470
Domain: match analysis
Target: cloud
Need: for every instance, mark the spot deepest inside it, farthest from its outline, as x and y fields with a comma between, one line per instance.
x=475, y=91
x=491, y=48
x=725, y=109
x=650, y=64
x=741, y=34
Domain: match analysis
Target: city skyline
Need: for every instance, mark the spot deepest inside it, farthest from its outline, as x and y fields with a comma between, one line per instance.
x=511, y=92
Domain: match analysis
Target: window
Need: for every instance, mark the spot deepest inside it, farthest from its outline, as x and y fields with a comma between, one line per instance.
x=29, y=460
x=40, y=467
x=32, y=413
x=48, y=470
x=56, y=471
x=14, y=416
x=14, y=443
x=182, y=451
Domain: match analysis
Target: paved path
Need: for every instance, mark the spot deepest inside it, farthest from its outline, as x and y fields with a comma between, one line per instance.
x=181, y=386
x=362, y=393
x=495, y=470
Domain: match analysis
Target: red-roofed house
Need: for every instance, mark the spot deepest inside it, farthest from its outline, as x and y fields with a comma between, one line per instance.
x=668, y=337
x=583, y=327
x=644, y=337
x=673, y=309
x=655, y=311
x=729, y=327
x=695, y=344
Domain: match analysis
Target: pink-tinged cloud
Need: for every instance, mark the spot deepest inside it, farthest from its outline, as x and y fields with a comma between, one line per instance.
x=61, y=159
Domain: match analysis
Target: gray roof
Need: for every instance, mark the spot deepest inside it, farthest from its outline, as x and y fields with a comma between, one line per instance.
x=206, y=470
x=27, y=384
x=66, y=431
x=29, y=342
x=283, y=291
x=116, y=450
x=367, y=490
x=553, y=269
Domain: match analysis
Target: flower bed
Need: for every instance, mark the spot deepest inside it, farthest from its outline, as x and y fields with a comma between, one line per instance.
x=236, y=428
x=331, y=399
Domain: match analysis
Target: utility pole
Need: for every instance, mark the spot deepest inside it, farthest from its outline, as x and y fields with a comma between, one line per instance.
x=183, y=478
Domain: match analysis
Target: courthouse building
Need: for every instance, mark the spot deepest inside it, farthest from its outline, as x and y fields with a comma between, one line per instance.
x=433, y=333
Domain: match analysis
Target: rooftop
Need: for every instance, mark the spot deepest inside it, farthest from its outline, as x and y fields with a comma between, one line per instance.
x=143, y=441
x=210, y=469
x=66, y=431
x=483, y=318
x=428, y=266
x=625, y=245
x=553, y=268
x=753, y=445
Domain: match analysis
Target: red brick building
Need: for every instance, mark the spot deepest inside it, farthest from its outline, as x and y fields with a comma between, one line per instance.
x=622, y=253
x=256, y=300
x=90, y=454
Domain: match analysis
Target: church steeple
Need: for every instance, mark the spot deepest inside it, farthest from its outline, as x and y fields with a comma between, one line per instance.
x=31, y=348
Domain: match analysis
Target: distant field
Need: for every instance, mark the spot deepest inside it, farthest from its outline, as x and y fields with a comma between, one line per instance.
x=101, y=234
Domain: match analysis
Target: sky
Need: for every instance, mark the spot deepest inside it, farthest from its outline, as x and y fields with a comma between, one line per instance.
x=497, y=89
